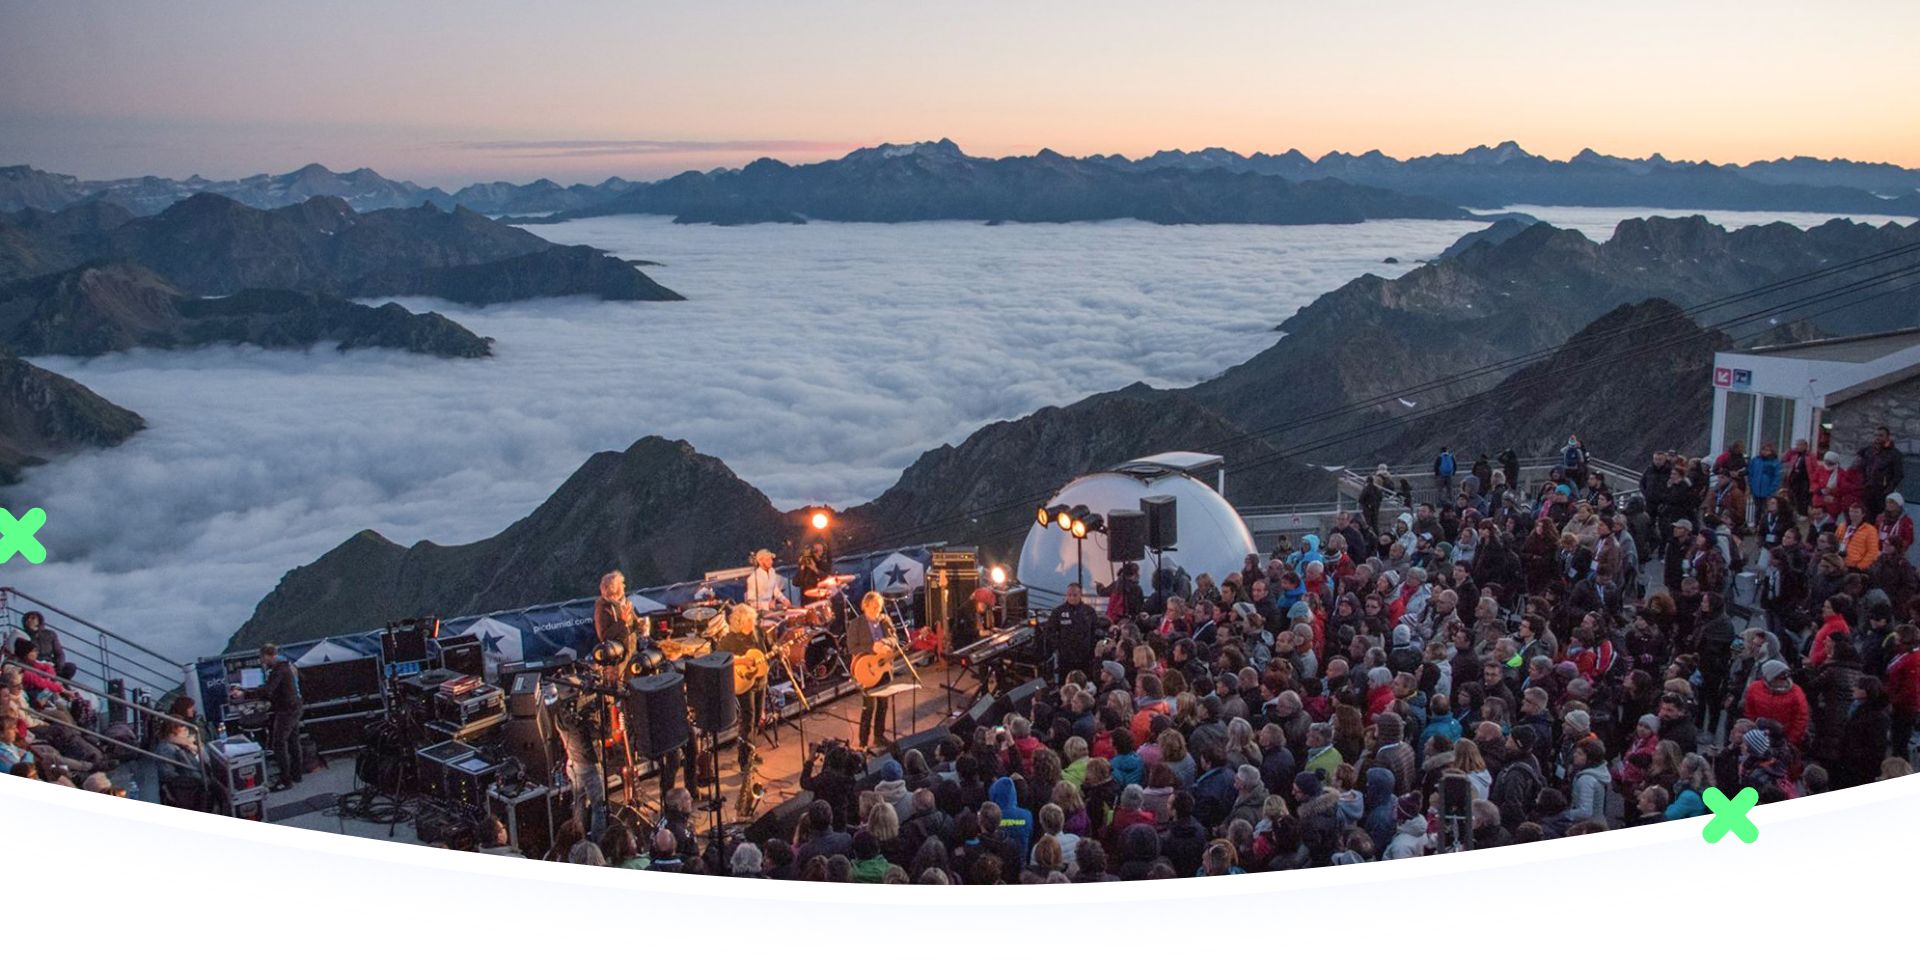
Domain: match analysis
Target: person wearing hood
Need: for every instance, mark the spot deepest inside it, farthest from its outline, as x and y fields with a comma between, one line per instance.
x=1410, y=835
x=1403, y=533
x=1015, y=822
x=1308, y=553
x=893, y=790
x=1377, y=808
x=1590, y=784
x=1776, y=696
x=1896, y=528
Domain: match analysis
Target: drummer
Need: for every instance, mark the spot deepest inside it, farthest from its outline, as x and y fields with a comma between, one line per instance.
x=814, y=565
x=764, y=592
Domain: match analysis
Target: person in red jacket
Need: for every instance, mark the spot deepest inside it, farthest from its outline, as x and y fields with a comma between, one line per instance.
x=1833, y=622
x=1896, y=527
x=1775, y=696
x=1903, y=688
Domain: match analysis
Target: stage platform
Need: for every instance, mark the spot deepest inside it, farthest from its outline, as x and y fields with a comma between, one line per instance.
x=312, y=803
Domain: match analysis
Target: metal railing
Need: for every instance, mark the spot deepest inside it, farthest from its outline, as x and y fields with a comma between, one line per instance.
x=144, y=720
x=1533, y=471
x=99, y=656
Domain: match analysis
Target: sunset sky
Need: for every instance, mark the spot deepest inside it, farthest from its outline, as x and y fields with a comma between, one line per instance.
x=447, y=93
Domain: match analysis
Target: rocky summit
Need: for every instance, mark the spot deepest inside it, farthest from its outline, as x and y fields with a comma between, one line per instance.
x=659, y=511
x=43, y=414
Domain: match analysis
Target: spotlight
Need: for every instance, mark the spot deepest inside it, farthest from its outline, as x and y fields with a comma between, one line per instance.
x=820, y=519
x=1079, y=529
x=608, y=653
x=1063, y=515
x=1042, y=515
x=998, y=575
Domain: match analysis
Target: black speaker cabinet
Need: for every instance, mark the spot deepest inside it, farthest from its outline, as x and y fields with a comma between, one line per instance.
x=1126, y=536
x=530, y=742
x=710, y=691
x=655, y=712
x=924, y=742
x=1020, y=699
x=1163, y=522
x=779, y=821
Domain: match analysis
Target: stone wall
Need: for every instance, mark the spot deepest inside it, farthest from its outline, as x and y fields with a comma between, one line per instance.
x=1896, y=407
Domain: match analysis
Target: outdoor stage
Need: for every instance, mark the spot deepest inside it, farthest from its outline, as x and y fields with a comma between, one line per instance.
x=310, y=804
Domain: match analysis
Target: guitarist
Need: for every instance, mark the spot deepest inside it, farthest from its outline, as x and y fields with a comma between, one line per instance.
x=873, y=633
x=749, y=651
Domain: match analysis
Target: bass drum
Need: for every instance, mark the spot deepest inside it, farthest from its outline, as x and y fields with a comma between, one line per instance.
x=820, y=652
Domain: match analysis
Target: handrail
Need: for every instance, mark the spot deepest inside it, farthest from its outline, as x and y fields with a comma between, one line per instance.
x=12, y=591
x=197, y=726
x=110, y=655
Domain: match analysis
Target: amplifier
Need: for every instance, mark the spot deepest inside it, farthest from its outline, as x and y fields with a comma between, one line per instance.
x=433, y=763
x=464, y=684
x=956, y=558
x=468, y=779
x=462, y=708
x=530, y=813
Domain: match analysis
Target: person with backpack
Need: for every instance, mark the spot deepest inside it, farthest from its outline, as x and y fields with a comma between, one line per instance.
x=1590, y=784
x=1443, y=469
x=1517, y=787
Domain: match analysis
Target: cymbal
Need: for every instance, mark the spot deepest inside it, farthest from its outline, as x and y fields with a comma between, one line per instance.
x=819, y=593
x=700, y=614
x=835, y=580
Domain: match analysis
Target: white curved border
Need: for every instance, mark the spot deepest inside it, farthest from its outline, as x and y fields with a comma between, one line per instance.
x=294, y=895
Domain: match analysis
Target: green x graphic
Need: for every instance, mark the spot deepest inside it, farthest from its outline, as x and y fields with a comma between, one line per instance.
x=17, y=535
x=1730, y=815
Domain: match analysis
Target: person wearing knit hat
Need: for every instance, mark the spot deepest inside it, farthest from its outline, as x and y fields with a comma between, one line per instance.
x=1771, y=670
x=1307, y=784
x=1578, y=722
x=1757, y=742
x=1408, y=806
x=1115, y=671
x=1651, y=722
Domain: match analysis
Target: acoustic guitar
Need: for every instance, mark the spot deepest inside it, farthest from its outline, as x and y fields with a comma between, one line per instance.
x=749, y=670
x=872, y=670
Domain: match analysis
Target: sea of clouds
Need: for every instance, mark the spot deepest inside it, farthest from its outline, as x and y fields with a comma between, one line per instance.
x=817, y=361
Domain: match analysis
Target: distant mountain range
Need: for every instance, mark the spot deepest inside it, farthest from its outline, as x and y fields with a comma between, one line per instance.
x=935, y=179
x=93, y=278
x=1614, y=358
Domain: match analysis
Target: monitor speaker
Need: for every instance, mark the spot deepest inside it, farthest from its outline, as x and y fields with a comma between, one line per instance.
x=990, y=710
x=1126, y=536
x=1020, y=699
x=710, y=691
x=1013, y=606
x=779, y=821
x=655, y=711
x=924, y=742
x=1163, y=522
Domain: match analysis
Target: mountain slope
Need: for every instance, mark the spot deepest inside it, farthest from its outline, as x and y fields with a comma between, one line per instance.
x=1621, y=397
x=212, y=245
x=114, y=306
x=659, y=511
x=43, y=414
x=937, y=498
x=1348, y=357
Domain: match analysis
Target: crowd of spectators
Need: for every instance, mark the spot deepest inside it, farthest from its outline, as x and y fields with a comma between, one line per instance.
x=1575, y=662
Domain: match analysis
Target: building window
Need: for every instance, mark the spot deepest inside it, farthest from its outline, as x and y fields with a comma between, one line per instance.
x=1776, y=422
x=1738, y=427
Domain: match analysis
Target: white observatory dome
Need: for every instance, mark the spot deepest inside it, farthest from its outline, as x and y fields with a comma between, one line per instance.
x=1213, y=538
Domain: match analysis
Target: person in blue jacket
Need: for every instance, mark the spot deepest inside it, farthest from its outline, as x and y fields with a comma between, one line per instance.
x=1015, y=822
x=1763, y=473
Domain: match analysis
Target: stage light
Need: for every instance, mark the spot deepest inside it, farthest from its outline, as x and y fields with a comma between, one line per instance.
x=608, y=653
x=998, y=575
x=1064, y=517
x=1042, y=516
x=1079, y=530
x=820, y=519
